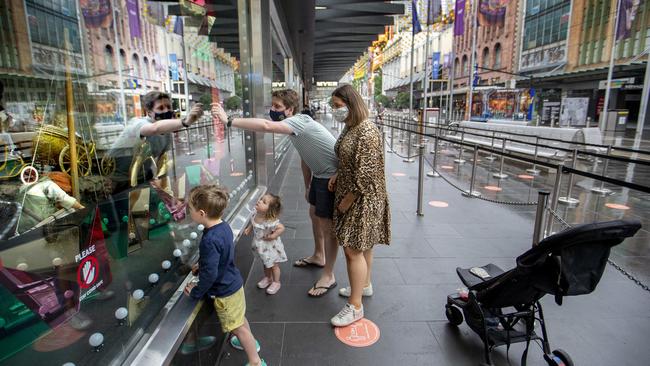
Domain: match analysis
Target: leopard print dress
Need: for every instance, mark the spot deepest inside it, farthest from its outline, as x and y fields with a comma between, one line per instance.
x=361, y=171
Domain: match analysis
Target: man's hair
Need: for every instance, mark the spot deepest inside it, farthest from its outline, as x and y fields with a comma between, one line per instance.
x=288, y=97
x=275, y=207
x=210, y=198
x=149, y=99
x=357, y=111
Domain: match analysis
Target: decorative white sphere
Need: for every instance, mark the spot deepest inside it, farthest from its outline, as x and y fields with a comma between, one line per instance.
x=146, y=207
x=153, y=278
x=177, y=253
x=22, y=266
x=68, y=364
x=166, y=264
x=193, y=235
x=96, y=339
x=131, y=236
x=138, y=294
x=121, y=313
x=57, y=261
x=200, y=227
x=187, y=243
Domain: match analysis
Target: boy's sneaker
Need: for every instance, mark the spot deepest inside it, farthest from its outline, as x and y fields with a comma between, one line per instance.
x=264, y=282
x=234, y=342
x=201, y=344
x=263, y=363
x=345, y=291
x=273, y=288
x=347, y=316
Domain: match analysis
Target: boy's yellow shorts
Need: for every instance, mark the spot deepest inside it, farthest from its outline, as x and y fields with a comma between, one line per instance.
x=231, y=310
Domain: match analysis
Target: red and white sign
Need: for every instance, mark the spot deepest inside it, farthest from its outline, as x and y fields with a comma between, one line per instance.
x=362, y=333
x=88, y=272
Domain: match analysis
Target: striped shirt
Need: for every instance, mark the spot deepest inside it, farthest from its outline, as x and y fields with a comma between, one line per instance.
x=315, y=145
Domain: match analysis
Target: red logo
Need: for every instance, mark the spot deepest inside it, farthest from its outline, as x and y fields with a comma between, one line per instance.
x=88, y=272
x=362, y=333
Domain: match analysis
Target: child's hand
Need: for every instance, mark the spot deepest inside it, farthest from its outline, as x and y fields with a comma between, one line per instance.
x=195, y=269
x=247, y=231
x=189, y=288
x=269, y=237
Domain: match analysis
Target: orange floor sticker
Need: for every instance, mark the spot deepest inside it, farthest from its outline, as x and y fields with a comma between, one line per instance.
x=362, y=333
x=440, y=204
x=617, y=206
x=525, y=176
x=447, y=167
x=236, y=174
x=493, y=188
x=399, y=174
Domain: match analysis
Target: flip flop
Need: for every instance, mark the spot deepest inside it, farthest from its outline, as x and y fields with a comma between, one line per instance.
x=326, y=288
x=303, y=262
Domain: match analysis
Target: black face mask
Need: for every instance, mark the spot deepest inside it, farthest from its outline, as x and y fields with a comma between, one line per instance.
x=165, y=115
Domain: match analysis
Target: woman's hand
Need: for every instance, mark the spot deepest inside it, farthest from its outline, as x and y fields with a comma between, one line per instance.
x=331, y=184
x=217, y=111
x=346, y=202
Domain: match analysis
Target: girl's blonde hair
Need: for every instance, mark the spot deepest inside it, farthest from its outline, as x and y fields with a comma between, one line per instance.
x=275, y=207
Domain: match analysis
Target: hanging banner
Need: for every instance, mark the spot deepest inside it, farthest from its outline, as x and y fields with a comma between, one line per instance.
x=492, y=12
x=97, y=13
x=435, y=68
x=173, y=66
x=626, y=15
x=459, y=22
x=134, y=18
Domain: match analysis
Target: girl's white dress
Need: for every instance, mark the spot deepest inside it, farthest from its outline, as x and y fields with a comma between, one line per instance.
x=270, y=252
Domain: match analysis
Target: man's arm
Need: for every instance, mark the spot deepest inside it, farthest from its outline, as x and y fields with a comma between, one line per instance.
x=171, y=125
x=252, y=124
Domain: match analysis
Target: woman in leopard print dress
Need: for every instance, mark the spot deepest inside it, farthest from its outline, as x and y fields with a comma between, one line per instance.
x=362, y=214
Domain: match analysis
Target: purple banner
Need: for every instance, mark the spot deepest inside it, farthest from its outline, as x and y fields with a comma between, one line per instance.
x=97, y=13
x=134, y=18
x=626, y=14
x=492, y=11
x=459, y=22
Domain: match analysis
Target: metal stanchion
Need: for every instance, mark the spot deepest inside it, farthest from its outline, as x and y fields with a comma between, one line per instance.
x=460, y=159
x=433, y=173
x=472, y=193
x=392, y=135
x=491, y=157
x=189, y=142
x=501, y=174
x=420, y=180
x=408, y=158
x=542, y=201
x=383, y=139
x=534, y=170
x=554, y=198
x=228, y=130
x=207, y=140
x=602, y=190
x=568, y=199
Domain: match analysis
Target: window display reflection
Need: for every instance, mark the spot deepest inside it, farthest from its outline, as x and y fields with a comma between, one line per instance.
x=103, y=133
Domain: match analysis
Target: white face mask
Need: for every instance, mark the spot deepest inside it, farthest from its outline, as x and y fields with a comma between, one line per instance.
x=340, y=114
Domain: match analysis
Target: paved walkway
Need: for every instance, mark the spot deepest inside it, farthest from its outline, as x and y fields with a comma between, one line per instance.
x=412, y=278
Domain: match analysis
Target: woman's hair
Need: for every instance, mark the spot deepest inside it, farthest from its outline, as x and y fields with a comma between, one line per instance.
x=357, y=111
x=210, y=198
x=275, y=206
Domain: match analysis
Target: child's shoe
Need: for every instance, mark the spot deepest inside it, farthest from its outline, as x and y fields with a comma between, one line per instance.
x=264, y=282
x=236, y=344
x=273, y=288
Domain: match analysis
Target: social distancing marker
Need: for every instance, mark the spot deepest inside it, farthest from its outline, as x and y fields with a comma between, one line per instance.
x=197, y=161
x=236, y=174
x=525, y=176
x=398, y=174
x=447, y=167
x=617, y=206
x=439, y=204
x=362, y=333
x=493, y=188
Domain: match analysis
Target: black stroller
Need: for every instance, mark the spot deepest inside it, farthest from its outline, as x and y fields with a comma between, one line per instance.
x=502, y=306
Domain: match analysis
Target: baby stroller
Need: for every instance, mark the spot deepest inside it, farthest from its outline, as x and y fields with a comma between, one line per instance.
x=503, y=306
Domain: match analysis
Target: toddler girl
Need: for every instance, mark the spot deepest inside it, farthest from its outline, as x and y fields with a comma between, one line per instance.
x=266, y=240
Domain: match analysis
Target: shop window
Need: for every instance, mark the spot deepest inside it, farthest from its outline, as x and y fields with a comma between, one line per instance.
x=497, y=56
x=486, y=58
x=146, y=68
x=108, y=58
x=137, y=69
x=465, y=66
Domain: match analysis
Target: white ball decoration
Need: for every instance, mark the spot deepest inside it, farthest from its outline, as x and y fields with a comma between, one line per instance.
x=153, y=278
x=187, y=243
x=166, y=264
x=57, y=261
x=201, y=227
x=68, y=364
x=177, y=253
x=96, y=339
x=22, y=266
x=193, y=235
x=131, y=236
x=121, y=313
x=138, y=294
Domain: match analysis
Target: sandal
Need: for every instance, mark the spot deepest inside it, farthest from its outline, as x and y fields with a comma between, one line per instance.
x=326, y=288
x=305, y=262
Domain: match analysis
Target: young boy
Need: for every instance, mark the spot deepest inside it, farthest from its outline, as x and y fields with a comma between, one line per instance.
x=218, y=276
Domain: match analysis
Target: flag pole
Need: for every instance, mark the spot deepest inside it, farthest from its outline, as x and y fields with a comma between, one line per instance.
x=610, y=73
x=408, y=158
x=119, y=64
x=643, y=109
x=451, y=77
x=472, y=60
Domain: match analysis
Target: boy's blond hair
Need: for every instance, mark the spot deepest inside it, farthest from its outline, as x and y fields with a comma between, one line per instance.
x=210, y=198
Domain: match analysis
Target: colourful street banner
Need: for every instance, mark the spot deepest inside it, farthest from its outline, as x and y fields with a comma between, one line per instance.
x=173, y=66
x=417, y=28
x=626, y=15
x=434, y=8
x=134, y=18
x=459, y=22
x=435, y=65
x=97, y=13
x=492, y=11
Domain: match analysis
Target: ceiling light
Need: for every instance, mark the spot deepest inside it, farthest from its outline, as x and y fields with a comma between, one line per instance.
x=321, y=8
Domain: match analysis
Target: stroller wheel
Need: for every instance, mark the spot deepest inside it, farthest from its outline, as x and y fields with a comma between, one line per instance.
x=454, y=315
x=561, y=358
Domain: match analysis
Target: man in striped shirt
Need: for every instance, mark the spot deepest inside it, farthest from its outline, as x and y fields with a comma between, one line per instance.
x=315, y=145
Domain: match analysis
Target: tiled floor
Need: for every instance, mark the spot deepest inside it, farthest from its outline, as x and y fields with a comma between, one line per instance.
x=413, y=276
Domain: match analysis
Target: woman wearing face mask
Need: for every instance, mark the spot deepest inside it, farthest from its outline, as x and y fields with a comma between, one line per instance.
x=362, y=214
